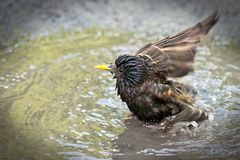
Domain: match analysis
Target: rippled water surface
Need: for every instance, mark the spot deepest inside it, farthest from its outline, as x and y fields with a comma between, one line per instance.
x=55, y=105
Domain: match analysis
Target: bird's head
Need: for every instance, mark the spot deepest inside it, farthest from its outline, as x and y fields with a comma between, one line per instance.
x=129, y=70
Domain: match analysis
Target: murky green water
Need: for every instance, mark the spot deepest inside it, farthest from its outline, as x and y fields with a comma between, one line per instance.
x=55, y=105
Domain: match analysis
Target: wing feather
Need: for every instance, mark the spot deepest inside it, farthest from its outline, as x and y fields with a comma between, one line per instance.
x=176, y=53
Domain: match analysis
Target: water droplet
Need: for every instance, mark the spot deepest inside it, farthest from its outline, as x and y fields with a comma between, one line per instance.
x=32, y=67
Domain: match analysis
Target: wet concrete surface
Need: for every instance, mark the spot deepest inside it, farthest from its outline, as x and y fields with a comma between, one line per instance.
x=19, y=17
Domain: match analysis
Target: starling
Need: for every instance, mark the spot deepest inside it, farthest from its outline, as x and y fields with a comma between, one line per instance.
x=143, y=78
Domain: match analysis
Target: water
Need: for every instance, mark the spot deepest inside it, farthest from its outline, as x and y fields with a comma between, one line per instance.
x=55, y=105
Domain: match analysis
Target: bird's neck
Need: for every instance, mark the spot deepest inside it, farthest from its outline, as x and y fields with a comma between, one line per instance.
x=127, y=94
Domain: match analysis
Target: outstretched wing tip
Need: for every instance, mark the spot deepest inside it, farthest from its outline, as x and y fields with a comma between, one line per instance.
x=211, y=20
x=175, y=54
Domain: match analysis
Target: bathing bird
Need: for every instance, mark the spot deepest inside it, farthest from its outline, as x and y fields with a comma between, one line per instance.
x=144, y=79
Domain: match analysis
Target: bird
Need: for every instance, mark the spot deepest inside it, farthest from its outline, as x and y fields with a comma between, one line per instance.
x=144, y=79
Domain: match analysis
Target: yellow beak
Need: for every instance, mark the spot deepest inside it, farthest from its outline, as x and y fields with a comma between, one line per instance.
x=102, y=67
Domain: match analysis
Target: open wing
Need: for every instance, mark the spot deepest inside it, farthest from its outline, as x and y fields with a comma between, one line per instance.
x=175, y=54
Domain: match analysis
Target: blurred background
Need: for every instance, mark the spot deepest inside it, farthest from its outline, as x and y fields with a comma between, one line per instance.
x=55, y=105
x=40, y=17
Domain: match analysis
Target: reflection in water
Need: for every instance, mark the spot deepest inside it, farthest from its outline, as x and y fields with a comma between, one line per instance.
x=54, y=105
x=141, y=142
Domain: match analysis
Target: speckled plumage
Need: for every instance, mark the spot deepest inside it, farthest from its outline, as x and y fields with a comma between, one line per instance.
x=142, y=79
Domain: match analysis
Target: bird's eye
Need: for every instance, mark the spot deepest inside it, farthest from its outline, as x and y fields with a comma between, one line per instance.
x=121, y=69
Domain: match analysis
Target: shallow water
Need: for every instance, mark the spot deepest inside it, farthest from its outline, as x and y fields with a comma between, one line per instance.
x=55, y=105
